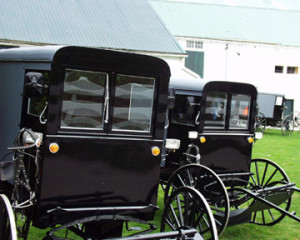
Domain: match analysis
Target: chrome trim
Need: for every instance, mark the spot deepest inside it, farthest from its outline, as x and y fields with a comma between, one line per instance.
x=226, y=134
x=100, y=208
x=135, y=138
x=106, y=103
x=42, y=113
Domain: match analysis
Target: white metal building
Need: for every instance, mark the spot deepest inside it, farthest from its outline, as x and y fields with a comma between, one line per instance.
x=245, y=41
x=131, y=25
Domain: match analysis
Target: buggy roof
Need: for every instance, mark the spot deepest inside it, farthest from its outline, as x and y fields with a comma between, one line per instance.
x=44, y=53
x=187, y=86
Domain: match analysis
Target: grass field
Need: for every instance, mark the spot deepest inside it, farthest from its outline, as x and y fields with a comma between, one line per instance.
x=285, y=151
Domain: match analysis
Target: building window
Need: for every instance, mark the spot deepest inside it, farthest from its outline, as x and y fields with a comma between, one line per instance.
x=194, y=44
x=198, y=44
x=190, y=44
x=278, y=69
x=292, y=70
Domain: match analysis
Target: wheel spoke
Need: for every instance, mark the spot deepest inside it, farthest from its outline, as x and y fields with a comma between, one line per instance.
x=271, y=214
x=257, y=175
x=264, y=174
x=181, y=180
x=190, y=178
x=198, y=221
x=253, y=180
x=270, y=178
x=254, y=216
x=263, y=217
x=180, y=210
x=174, y=215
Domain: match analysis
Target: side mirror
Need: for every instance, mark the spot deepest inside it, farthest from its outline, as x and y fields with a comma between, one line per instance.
x=171, y=99
x=34, y=84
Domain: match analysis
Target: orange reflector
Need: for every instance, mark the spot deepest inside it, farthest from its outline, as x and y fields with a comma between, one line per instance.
x=250, y=140
x=155, y=151
x=53, y=147
x=202, y=139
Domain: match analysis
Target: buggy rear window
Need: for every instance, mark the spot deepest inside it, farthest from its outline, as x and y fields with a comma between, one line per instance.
x=133, y=104
x=215, y=110
x=239, y=114
x=227, y=111
x=83, y=98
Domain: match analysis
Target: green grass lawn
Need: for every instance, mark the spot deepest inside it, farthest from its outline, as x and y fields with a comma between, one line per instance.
x=285, y=151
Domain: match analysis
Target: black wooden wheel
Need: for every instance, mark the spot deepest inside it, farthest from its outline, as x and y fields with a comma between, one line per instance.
x=260, y=122
x=7, y=221
x=208, y=184
x=287, y=126
x=268, y=174
x=186, y=208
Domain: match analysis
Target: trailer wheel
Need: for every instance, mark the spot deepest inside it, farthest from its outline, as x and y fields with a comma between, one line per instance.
x=268, y=174
x=260, y=122
x=287, y=126
x=208, y=184
x=7, y=221
x=186, y=208
x=296, y=119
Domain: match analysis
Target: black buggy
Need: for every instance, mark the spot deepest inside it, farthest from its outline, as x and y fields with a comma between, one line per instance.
x=82, y=131
x=212, y=126
x=273, y=111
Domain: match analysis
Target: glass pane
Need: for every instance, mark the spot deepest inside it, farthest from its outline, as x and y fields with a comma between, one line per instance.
x=37, y=105
x=215, y=110
x=240, y=109
x=83, y=96
x=185, y=111
x=133, y=103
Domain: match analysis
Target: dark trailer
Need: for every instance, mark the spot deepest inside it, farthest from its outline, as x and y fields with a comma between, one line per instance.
x=82, y=134
x=276, y=111
x=212, y=127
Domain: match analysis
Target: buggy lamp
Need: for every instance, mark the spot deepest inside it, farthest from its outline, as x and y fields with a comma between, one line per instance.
x=193, y=135
x=53, y=147
x=172, y=144
x=250, y=140
x=258, y=135
x=155, y=151
x=202, y=139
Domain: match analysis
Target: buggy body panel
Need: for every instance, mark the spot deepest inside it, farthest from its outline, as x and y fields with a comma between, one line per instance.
x=13, y=64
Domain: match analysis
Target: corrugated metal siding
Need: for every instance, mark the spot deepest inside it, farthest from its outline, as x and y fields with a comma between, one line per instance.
x=118, y=24
x=230, y=23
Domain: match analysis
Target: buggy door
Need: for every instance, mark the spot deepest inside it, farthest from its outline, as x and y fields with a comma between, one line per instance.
x=227, y=124
x=105, y=116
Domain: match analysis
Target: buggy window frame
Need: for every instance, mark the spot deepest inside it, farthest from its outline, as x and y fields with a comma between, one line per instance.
x=107, y=112
x=228, y=114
